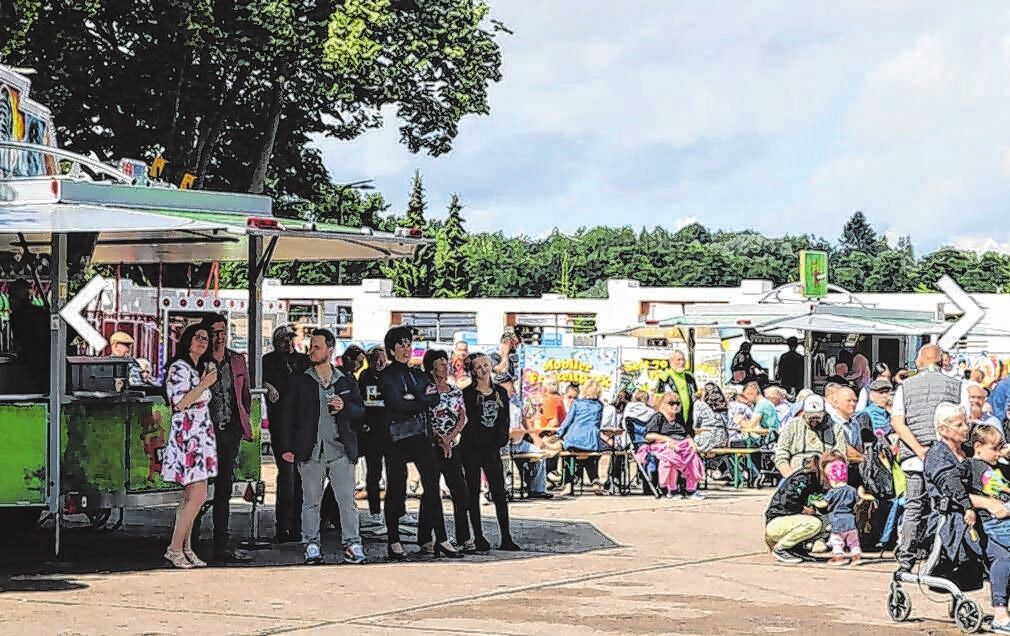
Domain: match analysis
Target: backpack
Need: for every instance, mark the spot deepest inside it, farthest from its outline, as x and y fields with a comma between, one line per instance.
x=875, y=470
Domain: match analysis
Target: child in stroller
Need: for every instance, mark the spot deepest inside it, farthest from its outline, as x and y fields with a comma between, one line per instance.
x=955, y=563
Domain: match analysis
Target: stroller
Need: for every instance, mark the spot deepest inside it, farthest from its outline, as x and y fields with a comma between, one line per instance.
x=955, y=565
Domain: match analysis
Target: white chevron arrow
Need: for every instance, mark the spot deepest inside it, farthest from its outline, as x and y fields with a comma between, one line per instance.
x=72, y=313
x=973, y=312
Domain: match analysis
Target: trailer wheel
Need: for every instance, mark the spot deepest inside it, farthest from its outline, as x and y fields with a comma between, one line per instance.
x=99, y=518
x=899, y=604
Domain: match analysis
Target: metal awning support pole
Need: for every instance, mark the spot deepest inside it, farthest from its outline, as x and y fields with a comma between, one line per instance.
x=259, y=261
x=57, y=378
x=808, y=359
x=691, y=345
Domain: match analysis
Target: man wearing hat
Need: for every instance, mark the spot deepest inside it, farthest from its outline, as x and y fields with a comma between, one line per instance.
x=278, y=367
x=121, y=346
x=875, y=419
x=791, y=367
x=810, y=432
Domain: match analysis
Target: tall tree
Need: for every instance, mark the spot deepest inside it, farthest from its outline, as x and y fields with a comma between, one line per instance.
x=414, y=276
x=452, y=278
x=858, y=235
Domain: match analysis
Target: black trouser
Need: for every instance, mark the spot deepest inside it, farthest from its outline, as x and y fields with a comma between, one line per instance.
x=488, y=460
x=590, y=464
x=371, y=447
x=227, y=453
x=452, y=469
x=415, y=449
x=288, y=509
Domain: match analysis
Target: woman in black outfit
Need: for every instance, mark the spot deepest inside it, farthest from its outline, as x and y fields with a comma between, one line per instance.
x=408, y=395
x=487, y=430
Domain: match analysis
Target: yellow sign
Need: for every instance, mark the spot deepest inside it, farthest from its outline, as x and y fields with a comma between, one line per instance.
x=156, y=167
x=187, y=181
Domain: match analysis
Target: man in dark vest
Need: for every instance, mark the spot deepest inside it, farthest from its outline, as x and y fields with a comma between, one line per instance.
x=915, y=402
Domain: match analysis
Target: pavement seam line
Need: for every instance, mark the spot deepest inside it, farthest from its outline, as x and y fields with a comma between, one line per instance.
x=537, y=586
x=153, y=609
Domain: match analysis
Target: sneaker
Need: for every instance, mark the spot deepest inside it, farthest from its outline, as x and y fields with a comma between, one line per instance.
x=697, y=495
x=354, y=554
x=428, y=548
x=785, y=557
x=857, y=559
x=313, y=555
x=408, y=519
x=468, y=546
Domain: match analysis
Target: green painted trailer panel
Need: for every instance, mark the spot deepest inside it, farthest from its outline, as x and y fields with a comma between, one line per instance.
x=93, y=441
x=23, y=445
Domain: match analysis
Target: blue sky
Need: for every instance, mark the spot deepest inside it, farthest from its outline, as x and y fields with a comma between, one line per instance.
x=779, y=117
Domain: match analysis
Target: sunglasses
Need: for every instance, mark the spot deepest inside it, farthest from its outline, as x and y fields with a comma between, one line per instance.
x=673, y=403
x=404, y=342
x=201, y=338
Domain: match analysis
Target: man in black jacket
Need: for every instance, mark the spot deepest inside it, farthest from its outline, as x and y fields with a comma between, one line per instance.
x=325, y=414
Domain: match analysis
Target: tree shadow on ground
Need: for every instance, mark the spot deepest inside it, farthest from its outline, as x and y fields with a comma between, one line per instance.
x=139, y=546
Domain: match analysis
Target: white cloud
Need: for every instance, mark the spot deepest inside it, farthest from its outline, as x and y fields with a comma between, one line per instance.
x=782, y=117
x=980, y=244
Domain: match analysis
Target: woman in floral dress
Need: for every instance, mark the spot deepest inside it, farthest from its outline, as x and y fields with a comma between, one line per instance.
x=447, y=420
x=190, y=453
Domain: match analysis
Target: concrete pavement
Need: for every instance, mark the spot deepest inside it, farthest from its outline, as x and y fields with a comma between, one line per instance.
x=652, y=567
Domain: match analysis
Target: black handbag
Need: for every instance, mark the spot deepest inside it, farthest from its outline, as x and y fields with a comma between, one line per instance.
x=413, y=426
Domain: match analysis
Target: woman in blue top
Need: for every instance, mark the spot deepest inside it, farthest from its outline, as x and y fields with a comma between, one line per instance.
x=581, y=431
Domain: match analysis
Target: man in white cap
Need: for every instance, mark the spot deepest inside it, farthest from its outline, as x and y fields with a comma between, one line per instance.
x=810, y=432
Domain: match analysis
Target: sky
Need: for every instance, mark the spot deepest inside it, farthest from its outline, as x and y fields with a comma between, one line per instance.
x=782, y=117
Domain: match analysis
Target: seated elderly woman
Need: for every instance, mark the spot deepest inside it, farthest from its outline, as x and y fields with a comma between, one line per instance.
x=671, y=441
x=581, y=431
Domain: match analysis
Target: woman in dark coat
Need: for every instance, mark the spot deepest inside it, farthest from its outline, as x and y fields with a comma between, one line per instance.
x=408, y=394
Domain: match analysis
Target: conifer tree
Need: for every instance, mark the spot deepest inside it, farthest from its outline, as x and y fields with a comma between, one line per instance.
x=452, y=278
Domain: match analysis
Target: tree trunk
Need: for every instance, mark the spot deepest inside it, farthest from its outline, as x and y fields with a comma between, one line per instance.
x=259, y=176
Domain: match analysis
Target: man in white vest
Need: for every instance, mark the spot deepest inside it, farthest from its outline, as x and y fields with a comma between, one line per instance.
x=915, y=402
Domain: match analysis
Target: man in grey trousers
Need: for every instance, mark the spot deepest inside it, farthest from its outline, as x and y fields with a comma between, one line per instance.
x=326, y=412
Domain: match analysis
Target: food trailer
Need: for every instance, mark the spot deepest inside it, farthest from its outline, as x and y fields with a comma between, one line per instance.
x=87, y=442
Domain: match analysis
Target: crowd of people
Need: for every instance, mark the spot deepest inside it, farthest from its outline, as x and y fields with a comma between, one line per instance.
x=861, y=464
x=925, y=447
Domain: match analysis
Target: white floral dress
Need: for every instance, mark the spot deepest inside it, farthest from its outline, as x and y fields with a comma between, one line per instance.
x=191, y=451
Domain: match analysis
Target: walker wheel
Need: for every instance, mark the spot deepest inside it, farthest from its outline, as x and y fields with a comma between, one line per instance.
x=899, y=605
x=968, y=616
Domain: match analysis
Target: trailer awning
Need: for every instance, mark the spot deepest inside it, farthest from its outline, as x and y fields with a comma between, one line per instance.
x=173, y=236
x=816, y=317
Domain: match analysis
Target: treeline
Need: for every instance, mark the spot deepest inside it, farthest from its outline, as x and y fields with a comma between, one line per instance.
x=491, y=264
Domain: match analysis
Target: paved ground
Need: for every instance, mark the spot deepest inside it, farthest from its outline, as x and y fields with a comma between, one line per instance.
x=597, y=565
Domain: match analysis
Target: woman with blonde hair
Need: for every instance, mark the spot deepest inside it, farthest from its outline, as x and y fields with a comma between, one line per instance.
x=671, y=441
x=581, y=432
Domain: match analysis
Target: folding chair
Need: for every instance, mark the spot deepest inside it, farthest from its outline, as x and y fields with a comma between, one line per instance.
x=648, y=470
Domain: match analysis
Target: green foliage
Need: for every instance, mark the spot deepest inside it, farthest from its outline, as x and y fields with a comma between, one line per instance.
x=17, y=17
x=415, y=276
x=452, y=278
